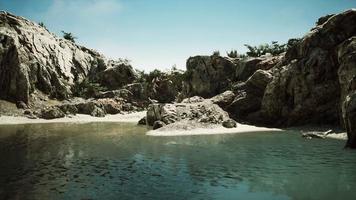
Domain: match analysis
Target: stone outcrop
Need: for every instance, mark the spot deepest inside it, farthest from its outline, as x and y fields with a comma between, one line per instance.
x=116, y=75
x=203, y=112
x=208, y=75
x=33, y=59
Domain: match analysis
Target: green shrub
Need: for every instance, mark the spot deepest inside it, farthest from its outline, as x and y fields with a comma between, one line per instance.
x=87, y=89
x=69, y=36
x=274, y=48
x=232, y=54
x=216, y=53
x=42, y=25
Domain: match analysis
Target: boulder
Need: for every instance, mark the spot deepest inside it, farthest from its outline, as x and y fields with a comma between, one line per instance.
x=91, y=108
x=204, y=112
x=224, y=99
x=249, y=96
x=116, y=75
x=246, y=68
x=142, y=121
x=208, y=76
x=158, y=124
x=163, y=90
x=229, y=123
x=52, y=113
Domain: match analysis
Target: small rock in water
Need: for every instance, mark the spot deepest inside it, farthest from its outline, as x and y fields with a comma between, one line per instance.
x=229, y=123
x=313, y=135
x=158, y=124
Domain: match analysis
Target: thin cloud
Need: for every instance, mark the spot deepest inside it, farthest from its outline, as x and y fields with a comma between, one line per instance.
x=83, y=8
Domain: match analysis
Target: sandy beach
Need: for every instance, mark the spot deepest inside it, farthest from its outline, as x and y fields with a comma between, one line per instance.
x=79, y=118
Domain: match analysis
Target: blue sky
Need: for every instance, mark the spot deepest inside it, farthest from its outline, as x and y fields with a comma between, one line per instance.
x=161, y=33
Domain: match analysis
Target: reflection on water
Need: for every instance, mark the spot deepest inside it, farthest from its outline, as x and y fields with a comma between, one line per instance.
x=118, y=161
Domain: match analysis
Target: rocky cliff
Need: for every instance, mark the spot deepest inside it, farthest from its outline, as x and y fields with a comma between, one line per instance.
x=34, y=60
x=313, y=82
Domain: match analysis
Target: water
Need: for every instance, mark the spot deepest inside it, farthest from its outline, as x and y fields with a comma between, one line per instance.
x=118, y=161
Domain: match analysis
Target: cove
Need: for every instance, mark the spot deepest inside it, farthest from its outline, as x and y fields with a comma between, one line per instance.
x=119, y=161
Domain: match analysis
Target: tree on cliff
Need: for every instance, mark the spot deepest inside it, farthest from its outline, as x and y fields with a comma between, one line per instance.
x=69, y=36
x=274, y=48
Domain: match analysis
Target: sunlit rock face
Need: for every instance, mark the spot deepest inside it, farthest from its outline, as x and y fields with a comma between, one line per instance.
x=33, y=59
x=306, y=88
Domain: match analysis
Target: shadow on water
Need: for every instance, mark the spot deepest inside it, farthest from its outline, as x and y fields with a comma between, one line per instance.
x=110, y=161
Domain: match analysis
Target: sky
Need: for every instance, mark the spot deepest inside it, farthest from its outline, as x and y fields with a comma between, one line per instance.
x=162, y=33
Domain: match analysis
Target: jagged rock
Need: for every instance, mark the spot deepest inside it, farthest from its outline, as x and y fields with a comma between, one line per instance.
x=224, y=99
x=158, y=124
x=306, y=88
x=163, y=90
x=153, y=113
x=69, y=108
x=136, y=90
x=34, y=59
x=195, y=99
x=142, y=121
x=201, y=112
x=249, y=95
x=229, y=123
x=116, y=75
x=52, y=113
x=246, y=68
x=122, y=93
x=91, y=108
x=208, y=75
x=111, y=106
x=349, y=116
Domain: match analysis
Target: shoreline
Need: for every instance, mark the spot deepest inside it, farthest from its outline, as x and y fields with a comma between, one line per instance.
x=163, y=132
x=209, y=130
x=79, y=118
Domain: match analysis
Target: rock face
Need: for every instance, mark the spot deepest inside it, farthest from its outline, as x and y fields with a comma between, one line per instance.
x=200, y=112
x=116, y=75
x=209, y=75
x=306, y=88
x=33, y=59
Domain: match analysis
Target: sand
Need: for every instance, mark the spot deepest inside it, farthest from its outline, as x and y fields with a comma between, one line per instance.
x=79, y=118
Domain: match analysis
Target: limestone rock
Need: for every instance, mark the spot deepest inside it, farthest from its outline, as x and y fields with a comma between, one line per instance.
x=208, y=75
x=229, y=123
x=52, y=113
x=116, y=75
x=34, y=59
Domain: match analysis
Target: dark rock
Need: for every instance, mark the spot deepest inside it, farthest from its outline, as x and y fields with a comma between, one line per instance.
x=224, y=99
x=246, y=68
x=158, y=124
x=91, y=108
x=52, y=113
x=21, y=105
x=69, y=108
x=208, y=76
x=229, y=123
x=249, y=96
x=142, y=121
x=111, y=106
x=27, y=112
x=116, y=75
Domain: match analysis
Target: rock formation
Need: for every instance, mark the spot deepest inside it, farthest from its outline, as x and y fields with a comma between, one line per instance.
x=33, y=59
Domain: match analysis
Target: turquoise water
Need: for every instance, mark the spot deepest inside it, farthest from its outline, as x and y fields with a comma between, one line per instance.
x=118, y=161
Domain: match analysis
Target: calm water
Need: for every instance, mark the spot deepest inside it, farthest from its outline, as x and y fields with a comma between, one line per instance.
x=117, y=161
